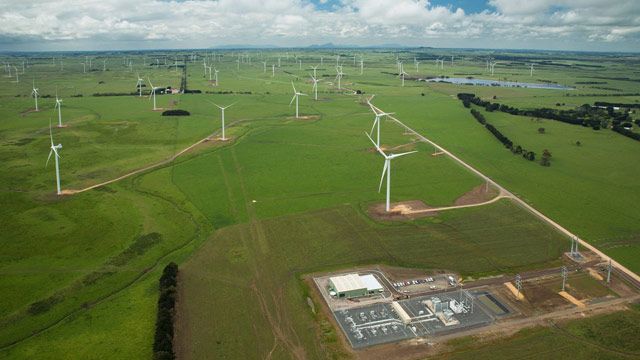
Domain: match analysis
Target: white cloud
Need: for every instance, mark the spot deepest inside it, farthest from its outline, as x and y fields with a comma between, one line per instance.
x=153, y=23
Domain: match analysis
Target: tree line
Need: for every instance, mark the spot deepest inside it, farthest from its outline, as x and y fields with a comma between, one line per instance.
x=163, y=339
x=601, y=115
x=516, y=150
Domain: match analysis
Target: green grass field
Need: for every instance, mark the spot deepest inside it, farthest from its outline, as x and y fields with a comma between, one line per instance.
x=607, y=336
x=285, y=197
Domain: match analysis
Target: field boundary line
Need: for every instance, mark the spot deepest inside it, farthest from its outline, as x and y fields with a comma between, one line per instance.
x=521, y=202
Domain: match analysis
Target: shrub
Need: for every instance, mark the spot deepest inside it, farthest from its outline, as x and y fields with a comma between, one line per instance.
x=176, y=112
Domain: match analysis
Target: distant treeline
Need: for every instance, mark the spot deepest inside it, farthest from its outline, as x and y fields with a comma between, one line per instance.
x=517, y=150
x=591, y=82
x=628, y=133
x=616, y=78
x=163, y=339
x=620, y=105
x=602, y=95
x=229, y=92
x=585, y=115
x=601, y=115
x=117, y=94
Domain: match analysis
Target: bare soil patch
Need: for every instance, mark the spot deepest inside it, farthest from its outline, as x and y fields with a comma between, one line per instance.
x=304, y=117
x=478, y=194
x=398, y=211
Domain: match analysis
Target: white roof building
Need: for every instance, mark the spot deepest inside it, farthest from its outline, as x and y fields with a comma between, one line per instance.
x=346, y=283
x=372, y=284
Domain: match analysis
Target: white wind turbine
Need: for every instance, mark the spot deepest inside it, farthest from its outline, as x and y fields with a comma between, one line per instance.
x=531, y=70
x=139, y=84
x=59, y=106
x=295, y=97
x=273, y=70
x=387, y=169
x=54, y=151
x=222, y=108
x=315, y=68
x=153, y=93
x=210, y=68
x=264, y=70
x=16, y=71
x=402, y=73
x=339, y=76
x=376, y=123
x=34, y=93
x=315, y=87
x=361, y=66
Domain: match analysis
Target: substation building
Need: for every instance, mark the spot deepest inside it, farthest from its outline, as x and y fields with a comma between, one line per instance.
x=354, y=285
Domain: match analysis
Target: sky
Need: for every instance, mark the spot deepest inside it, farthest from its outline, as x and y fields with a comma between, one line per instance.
x=585, y=25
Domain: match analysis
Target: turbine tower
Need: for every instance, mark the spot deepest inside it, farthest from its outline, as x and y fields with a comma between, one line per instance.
x=295, y=97
x=34, y=93
x=222, y=108
x=339, y=76
x=315, y=87
x=59, y=106
x=139, y=84
x=54, y=151
x=153, y=93
x=376, y=123
x=386, y=170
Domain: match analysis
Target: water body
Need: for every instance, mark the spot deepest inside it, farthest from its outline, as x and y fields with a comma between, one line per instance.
x=483, y=82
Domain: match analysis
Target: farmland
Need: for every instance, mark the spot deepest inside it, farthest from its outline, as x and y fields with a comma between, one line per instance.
x=246, y=219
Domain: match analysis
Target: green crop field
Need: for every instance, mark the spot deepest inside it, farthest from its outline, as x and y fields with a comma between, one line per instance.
x=247, y=218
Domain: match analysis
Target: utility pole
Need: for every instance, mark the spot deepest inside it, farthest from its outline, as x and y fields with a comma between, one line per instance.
x=565, y=273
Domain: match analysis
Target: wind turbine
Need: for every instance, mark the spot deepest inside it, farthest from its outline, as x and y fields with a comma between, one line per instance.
x=54, y=151
x=215, y=75
x=402, y=73
x=34, y=92
x=361, y=66
x=139, y=84
x=314, y=70
x=295, y=97
x=59, y=106
x=153, y=93
x=315, y=87
x=417, y=66
x=273, y=70
x=387, y=169
x=264, y=70
x=531, y=70
x=376, y=122
x=16, y=71
x=339, y=76
x=222, y=109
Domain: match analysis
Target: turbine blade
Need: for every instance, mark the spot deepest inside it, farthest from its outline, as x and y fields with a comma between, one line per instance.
x=393, y=156
x=376, y=146
x=292, y=99
x=48, y=158
x=374, y=125
x=384, y=170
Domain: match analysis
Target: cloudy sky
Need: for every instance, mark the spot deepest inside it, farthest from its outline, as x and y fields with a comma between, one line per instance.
x=600, y=25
